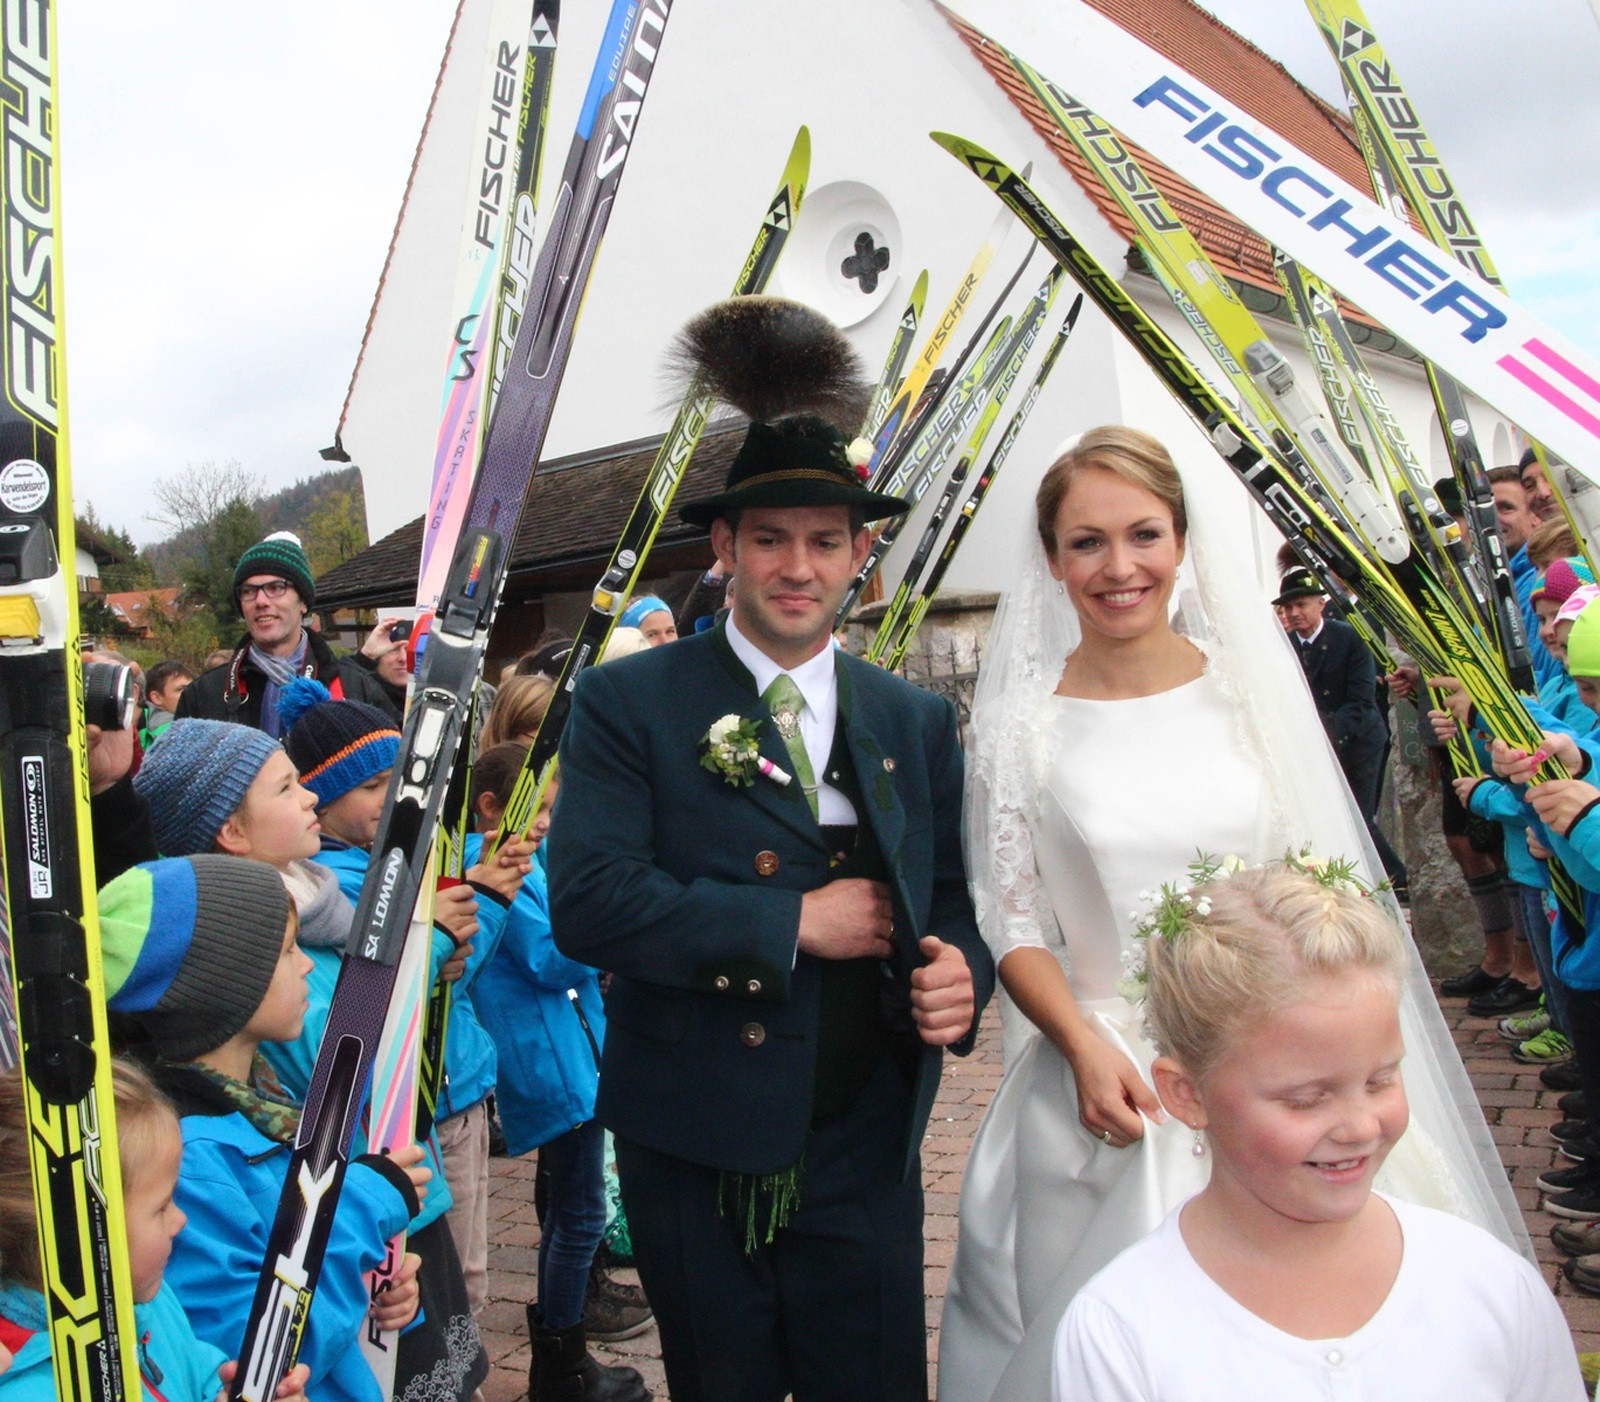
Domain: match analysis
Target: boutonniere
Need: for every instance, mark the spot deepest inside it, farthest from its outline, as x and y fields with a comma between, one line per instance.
x=731, y=748
x=859, y=455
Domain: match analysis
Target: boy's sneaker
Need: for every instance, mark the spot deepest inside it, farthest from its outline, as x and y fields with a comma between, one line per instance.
x=1561, y=1077
x=1510, y=995
x=1573, y=1106
x=1584, y=1273
x=1568, y=1131
x=1581, y=1204
x=1522, y=1026
x=613, y=1311
x=1549, y=1048
x=1576, y=1238
x=1564, y=1180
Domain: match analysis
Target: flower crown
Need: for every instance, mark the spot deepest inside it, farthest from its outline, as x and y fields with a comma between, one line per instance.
x=1172, y=911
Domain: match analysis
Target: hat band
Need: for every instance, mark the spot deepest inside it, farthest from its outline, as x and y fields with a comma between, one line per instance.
x=790, y=474
x=371, y=737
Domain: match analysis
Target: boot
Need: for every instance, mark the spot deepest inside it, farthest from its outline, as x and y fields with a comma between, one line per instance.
x=562, y=1371
x=613, y=1311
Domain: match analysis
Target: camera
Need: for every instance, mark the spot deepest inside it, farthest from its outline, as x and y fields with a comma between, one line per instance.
x=401, y=631
x=109, y=695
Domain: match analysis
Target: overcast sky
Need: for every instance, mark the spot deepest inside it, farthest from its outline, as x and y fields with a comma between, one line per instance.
x=232, y=173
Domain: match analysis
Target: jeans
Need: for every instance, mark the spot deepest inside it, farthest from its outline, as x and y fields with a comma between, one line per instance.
x=1536, y=930
x=573, y=1222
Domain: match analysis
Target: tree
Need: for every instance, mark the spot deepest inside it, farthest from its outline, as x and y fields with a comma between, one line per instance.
x=207, y=573
x=335, y=530
x=210, y=509
x=192, y=499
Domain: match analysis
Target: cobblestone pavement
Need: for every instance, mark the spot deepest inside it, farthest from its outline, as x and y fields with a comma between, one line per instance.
x=1515, y=1104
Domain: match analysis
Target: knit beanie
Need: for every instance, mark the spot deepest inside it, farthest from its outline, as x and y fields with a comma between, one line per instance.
x=1583, y=643
x=336, y=745
x=190, y=945
x=195, y=777
x=278, y=554
x=1563, y=578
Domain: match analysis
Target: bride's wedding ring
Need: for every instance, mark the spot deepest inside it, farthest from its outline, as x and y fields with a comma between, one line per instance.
x=1105, y=1134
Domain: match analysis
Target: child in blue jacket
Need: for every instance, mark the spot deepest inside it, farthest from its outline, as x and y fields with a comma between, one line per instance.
x=343, y=752
x=200, y=953
x=545, y=1015
x=174, y=1365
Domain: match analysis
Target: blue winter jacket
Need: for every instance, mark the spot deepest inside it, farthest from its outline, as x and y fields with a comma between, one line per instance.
x=171, y=1359
x=1560, y=697
x=229, y=1184
x=469, y=1052
x=1525, y=579
x=549, y=1066
x=1501, y=804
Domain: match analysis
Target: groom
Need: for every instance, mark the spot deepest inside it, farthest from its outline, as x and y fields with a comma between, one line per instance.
x=790, y=954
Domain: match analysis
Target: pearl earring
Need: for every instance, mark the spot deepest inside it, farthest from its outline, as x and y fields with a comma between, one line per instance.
x=1061, y=588
x=1198, y=1148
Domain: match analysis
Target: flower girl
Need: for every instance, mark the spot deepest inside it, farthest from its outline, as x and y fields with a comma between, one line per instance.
x=1273, y=999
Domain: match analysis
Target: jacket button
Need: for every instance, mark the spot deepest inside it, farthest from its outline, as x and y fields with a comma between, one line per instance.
x=752, y=1034
x=754, y=986
x=888, y=766
x=766, y=863
x=722, y=983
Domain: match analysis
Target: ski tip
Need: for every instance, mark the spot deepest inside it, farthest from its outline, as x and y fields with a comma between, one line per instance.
x=1073, y=310
x=988, y=167
x=799, y=166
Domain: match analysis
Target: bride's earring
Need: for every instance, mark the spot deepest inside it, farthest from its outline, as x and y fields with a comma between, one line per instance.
x=1061, y=587
x=1198, y=1148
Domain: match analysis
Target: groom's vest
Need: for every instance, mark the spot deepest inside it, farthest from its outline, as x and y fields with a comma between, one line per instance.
x=853, y=1029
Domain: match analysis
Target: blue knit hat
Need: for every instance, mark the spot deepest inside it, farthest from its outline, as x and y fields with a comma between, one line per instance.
x=195, y=777
x=335, y=745
x=190, y=946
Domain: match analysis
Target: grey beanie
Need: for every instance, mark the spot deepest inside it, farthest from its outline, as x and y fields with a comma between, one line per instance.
x=190, y=946
x=195, y=777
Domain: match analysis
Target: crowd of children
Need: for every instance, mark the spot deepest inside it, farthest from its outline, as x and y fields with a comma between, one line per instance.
x=221, y=951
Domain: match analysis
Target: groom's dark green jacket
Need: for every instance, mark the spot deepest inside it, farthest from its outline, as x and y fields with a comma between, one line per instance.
x=688, y=891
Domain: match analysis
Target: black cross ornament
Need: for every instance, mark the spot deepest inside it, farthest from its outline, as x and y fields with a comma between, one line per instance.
x=866, y=262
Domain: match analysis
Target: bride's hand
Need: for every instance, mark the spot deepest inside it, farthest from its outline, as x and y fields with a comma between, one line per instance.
x=1111, y=1093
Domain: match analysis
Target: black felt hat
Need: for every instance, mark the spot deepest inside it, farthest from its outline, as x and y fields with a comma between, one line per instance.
x=793, y=374
x=1298, y=584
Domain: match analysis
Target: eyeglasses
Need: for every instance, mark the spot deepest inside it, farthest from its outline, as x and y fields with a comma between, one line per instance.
x=273, y=589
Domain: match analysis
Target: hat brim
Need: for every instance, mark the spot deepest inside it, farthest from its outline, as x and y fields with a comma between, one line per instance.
x=1290, y=595
x=802, y=491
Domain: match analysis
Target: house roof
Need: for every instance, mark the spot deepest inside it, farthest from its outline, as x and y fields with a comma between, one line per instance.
x=131, y=605
x=576, y=511
x=1246, y=76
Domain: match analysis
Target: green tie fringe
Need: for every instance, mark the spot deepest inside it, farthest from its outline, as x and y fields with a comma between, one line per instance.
x=747, y=1191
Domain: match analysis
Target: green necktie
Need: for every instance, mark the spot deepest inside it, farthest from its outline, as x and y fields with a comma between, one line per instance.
x=784, y=700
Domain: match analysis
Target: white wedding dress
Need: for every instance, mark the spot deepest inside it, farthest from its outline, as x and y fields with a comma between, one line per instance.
x=1074, y=808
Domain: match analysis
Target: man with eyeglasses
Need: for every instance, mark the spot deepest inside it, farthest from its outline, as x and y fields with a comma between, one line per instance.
x=273, y=587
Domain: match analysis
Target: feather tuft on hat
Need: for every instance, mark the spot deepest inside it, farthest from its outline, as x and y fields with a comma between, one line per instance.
x=770, y=359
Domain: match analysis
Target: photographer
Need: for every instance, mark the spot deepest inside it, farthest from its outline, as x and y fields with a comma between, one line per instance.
x=120, y=819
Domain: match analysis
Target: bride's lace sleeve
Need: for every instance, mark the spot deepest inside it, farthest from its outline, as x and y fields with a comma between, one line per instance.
x=1013, y=909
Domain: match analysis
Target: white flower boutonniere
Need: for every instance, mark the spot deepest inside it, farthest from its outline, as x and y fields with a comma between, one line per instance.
x=731, y=748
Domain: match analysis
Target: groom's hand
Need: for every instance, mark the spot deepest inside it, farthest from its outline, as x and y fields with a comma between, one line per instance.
x=942, y=1000
x=849, y=919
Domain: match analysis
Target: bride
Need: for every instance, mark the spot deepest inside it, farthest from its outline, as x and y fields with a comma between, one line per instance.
x=1110, y=744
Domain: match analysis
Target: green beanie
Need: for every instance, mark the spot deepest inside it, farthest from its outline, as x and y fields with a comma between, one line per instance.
x=278, y=554
x=1583, y=643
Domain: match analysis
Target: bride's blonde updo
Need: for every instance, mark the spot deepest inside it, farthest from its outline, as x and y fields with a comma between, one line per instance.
x=1130, y=454
x=1268, y=933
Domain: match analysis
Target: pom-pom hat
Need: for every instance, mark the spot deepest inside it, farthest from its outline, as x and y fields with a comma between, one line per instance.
x=280, y=554
x=336, y=745
x=195, y=777
x=190, y=946
x=794, y=375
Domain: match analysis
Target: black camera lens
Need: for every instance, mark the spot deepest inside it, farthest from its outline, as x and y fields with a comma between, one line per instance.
x=401, y=631
x=108, y=695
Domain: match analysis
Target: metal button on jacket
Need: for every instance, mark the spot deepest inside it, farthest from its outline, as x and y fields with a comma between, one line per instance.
x=766, y=863
x=754, y=986
x=752, y=1034
x=722, y=983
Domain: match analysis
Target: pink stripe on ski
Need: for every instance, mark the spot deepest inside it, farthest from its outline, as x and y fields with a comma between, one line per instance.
x=1565, y=368
x=1550, y=394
